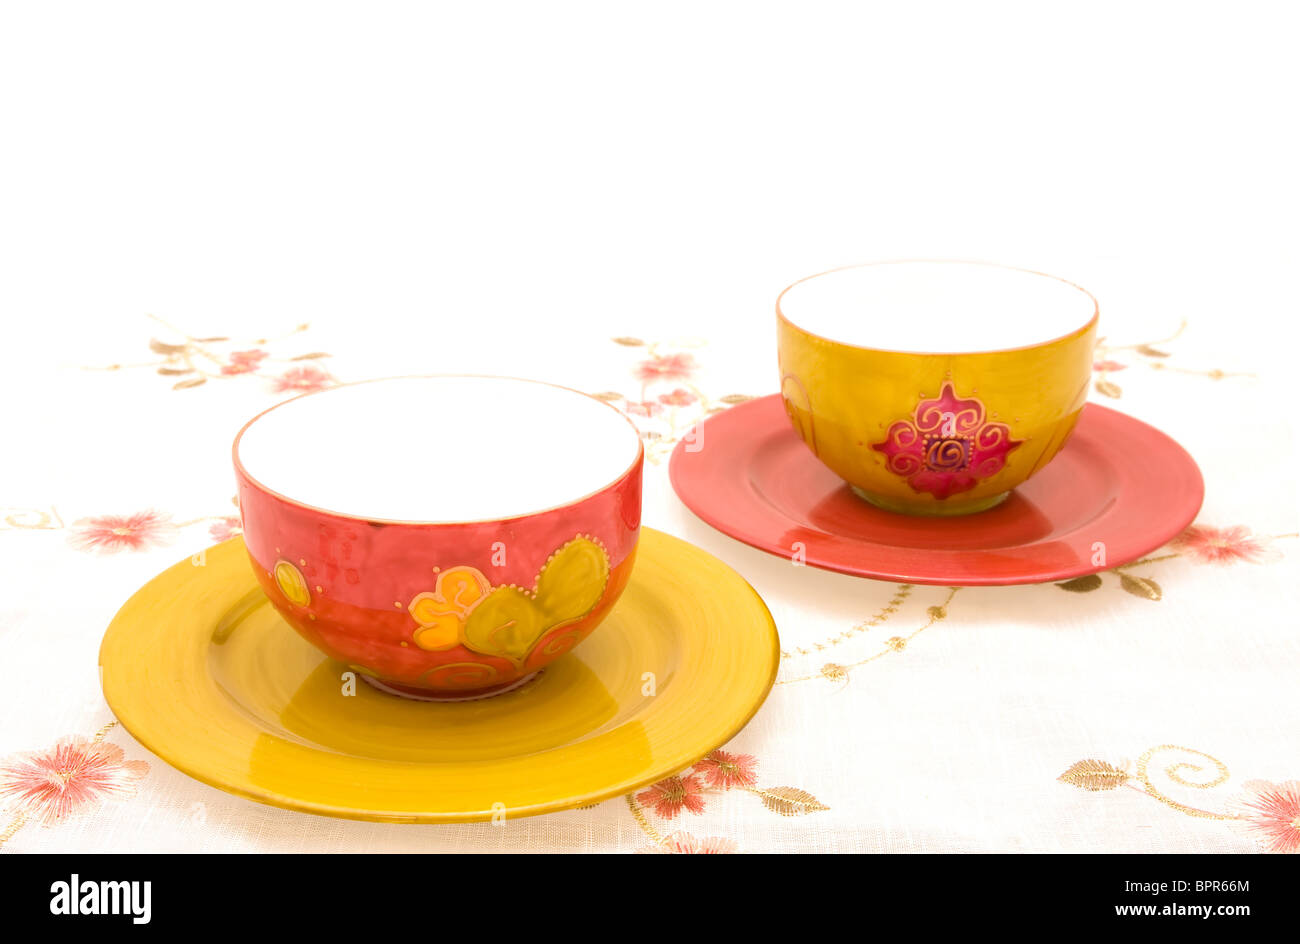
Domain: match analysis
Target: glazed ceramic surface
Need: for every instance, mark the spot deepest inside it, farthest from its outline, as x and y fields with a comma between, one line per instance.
x=447, y=606
x=203, y=672
x=940, y=423
x=1119, y=490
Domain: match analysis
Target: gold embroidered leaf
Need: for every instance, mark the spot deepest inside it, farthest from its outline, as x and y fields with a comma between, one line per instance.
x=1083, y=584
x=309, y=357
x=159, y=347
x=736, y=398
x=834, y=671
x=790, y=801
x=211, y=340
x=937, y=612
x=1109, y=389
x=1143, y=587
x=192, y=382
x=175, y=371
x=608, y=396
x=1094, y=774
x=629, y=342
x=1150, y=351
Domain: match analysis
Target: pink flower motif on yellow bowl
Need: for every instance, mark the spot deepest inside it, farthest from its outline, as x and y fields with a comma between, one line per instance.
x=949, y=445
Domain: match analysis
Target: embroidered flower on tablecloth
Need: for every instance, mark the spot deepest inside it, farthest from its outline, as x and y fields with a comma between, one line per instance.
x=1201, y=544
x=642, y=408
x=678, y=397
x=243, y=362
x=722, y=770
x=1269, y=813
x=667, y=407
x=669, y=797
x=658, y=367
x=1106, y=366
x=686, y=844
x=108, y=534
x=1223, y=545
x=225, y=528
x=719, y=772
x=188, y=361
x=72, y=777
x=302, y=380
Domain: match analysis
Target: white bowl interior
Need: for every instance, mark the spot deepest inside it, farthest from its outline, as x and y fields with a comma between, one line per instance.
x=937, y=307
x=439, y=449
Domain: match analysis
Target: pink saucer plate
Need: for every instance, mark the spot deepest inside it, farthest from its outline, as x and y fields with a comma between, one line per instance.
x=1118, y=490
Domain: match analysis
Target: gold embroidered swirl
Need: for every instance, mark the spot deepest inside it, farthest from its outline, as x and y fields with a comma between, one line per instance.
x=1178, y=772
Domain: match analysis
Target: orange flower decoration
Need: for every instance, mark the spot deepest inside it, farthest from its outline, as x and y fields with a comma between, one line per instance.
x=441, y=612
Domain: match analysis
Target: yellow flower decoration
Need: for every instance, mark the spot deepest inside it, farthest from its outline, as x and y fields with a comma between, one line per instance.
x=292, y=583
x=441, y=612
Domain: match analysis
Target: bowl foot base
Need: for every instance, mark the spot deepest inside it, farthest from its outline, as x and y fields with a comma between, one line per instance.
x=938, y=510
x=424, y=694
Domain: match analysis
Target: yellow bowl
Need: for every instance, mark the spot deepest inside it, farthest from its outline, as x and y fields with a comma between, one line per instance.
x=935, y=387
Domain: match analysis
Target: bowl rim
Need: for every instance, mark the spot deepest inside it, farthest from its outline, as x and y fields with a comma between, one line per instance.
x=1091, y=323
x=243, y=472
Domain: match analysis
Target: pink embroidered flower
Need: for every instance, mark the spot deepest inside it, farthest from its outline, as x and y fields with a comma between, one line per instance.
x=679, y=397
x=109, y=534
x=948, y=446
x=302, y=379
x=648, y=408
x=73, y=776
x=665, y=367
x=722, y=770
x=1222, y=545
x=686, y=844
x=243, y=362
x=1270, y=814
x=1107, y=366
x=669, y=797
x=226, y=528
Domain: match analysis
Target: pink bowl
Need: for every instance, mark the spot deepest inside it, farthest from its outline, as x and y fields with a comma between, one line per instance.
x=428, y=605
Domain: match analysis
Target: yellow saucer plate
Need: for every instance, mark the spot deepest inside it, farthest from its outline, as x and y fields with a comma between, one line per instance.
x=204, y=673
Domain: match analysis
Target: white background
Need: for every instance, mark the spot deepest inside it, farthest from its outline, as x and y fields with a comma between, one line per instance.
x=545, y=165
x=505, y=185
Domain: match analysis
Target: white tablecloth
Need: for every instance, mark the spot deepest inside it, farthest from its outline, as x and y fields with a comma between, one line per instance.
x=361, y=192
